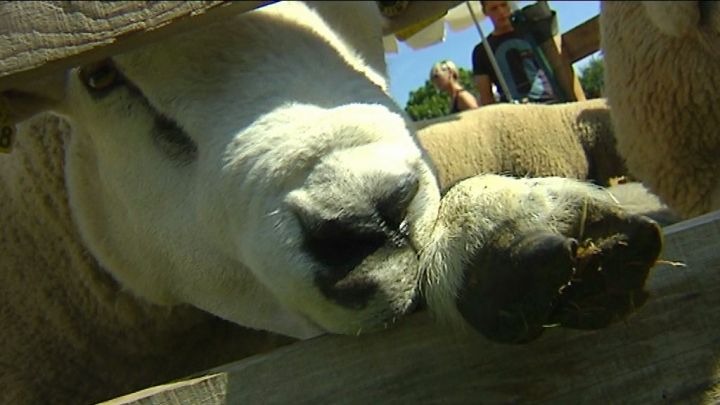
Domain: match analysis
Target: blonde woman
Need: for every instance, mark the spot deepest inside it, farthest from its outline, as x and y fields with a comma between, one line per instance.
x=445, y=76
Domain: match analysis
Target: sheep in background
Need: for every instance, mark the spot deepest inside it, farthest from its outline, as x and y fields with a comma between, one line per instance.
x=573, y=140
x=661, y=80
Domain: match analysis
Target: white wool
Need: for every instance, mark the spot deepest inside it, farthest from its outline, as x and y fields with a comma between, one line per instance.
x=661, y=63
x=175, y=189
x=572, y=140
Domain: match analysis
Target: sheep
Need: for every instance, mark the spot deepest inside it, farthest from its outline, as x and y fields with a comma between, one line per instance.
x=217, y=194
x=661, y=60
x=573, y=140
x=71, y=333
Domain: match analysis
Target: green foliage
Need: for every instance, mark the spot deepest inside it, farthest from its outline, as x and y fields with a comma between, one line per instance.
x=591, y=78
x=428, y=102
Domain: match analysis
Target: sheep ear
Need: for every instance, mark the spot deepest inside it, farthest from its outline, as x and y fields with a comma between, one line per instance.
x=22, y=101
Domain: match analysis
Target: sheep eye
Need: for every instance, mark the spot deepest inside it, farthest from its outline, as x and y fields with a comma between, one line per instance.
x=101, y=76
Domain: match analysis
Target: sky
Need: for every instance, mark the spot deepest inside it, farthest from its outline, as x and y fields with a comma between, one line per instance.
x=408, y=69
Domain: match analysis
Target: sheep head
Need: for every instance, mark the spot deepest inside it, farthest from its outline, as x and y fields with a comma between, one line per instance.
x=258, y=170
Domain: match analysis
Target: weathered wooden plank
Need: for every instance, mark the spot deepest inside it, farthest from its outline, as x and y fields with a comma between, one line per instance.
x=209, y=389
x=42, y=37
x=415, y=12
x=668, y=351
x=582, y=40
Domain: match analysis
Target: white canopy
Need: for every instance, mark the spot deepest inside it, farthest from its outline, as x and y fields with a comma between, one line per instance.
x=421, y=35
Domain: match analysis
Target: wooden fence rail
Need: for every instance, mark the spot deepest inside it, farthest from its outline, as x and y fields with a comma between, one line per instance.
x=41, y=38
x=38, y=38
x=582, y=41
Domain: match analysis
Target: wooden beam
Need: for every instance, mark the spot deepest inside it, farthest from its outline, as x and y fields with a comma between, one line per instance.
x=566, y=49
x=40, y=38
x=581, y=41
x=669, y=351
x=415, y=12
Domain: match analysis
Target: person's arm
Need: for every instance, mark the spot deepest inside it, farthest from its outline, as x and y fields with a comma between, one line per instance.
x=481, y=75
x=466, y=101
x=484, y=87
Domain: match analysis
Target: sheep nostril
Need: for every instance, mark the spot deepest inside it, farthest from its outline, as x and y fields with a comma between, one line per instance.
x=343, y=241
x=342, y=244
x=393, y=206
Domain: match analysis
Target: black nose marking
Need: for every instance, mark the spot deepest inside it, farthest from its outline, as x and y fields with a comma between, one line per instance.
x=342, y=243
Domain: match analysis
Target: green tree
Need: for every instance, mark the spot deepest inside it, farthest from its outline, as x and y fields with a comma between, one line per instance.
x=591, y=78
x=427, y=102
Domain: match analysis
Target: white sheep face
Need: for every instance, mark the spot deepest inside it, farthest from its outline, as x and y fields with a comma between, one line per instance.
x=257, y=170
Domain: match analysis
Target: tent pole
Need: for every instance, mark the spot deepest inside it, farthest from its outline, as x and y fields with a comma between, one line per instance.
x=491, y=56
